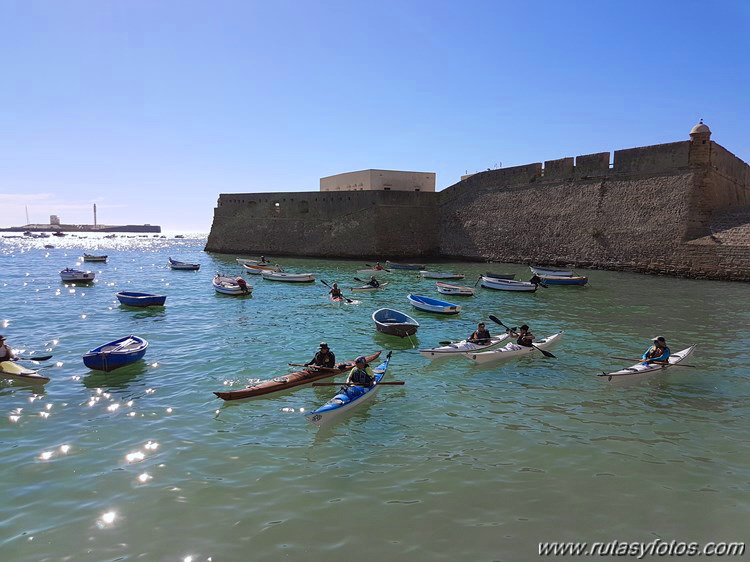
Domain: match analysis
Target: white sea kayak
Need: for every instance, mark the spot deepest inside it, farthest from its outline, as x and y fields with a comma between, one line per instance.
x=12, y=370
x=367, y=288
x=512, y=350
x=641, y=370
x=460, y=347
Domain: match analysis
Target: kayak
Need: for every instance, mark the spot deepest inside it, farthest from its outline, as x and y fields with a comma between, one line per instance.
x=458, y=348
x=370, y=287
x=639, y=370
x=12, y=370
x=304, y=377
x=512, y=350
x=349, y=397
x=336, y=300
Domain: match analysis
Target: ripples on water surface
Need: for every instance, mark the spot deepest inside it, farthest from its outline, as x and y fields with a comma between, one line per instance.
x=462, y=463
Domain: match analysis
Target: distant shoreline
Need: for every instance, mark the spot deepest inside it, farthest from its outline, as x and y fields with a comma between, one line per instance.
x=152, y=228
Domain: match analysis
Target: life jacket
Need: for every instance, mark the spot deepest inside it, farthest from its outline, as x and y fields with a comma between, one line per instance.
x=524, y=341
x=336, y=292
x=5, y=353
x=360, y=376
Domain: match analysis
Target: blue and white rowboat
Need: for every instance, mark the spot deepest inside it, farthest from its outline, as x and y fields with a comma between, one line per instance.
x=349, y=397
x=433, y=305
x=131, y=298
x=563, y=280
x=394, y=323
x=116, y=354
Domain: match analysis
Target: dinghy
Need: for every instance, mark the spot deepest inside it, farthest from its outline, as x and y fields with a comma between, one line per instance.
x=77, y=276
x=258, y=269
x=409, y=266
x=174, y=264
x=116, y=354
x=14, y=371
x=131, y=298
x=437, y=306
x=288, y=277
x=437, y=275
x=229, y=285
x=394, y=323
x=512, y=350
x=244, y=261
x=89, y=257
x=349, y=397
x=563, y=280
x=448, y=289
x=366, y=288
x=641, y=370
x=500, y=275
x=542, y=271
x=508, y=285
x=458, y=348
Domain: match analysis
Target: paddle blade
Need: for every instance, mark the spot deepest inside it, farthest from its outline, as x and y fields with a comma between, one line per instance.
x=496, y=320
x=545, y=353
x=36, y=358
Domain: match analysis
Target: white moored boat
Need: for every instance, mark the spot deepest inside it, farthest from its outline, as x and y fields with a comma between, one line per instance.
x=77, y=276
x=90, y=258
x=512, y=350
x=258, y=269
x=438, y=275
x=458, y=348
x=243, y=261
x=433, y=305
x=175, y=264
x=448, y=289
x=543, y=271
x=641, y=370
x=508, y=285
x=288, y=277
x=228, y=285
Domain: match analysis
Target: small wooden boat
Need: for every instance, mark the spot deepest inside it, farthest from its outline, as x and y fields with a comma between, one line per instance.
x=437, y=306
x=437, y=275
x=460, y=347
x=372, y=272
x=409, y=266
x=116, y=354
x=512, y=350
x=500, y=275
x=258, y=269
x=288, y=277
x=301, y=378
x=230, y=286
x=174, y=264
x=245, y=261
x=14, y=371
x=508, y=285
x=366, y=288
x=89, y=257
x=643, y=370
x=349, y=397
x=541, y=271
x=77, y=276
x=48, y=246
x=131, y=298
x=563, y=280
x=394, y=323
x=457, y=290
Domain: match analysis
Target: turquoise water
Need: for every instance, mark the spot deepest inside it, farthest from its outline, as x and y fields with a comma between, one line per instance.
x=461, y=463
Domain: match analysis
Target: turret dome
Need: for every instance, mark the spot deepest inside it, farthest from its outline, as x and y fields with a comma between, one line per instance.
x=700, y=128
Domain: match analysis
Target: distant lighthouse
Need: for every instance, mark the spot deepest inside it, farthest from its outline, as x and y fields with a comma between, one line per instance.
x=94, y=214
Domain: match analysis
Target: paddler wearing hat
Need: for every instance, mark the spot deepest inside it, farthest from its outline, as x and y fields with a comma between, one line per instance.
x=361, y=374
x=323, y=358
x=6, y=353
x=658, y=351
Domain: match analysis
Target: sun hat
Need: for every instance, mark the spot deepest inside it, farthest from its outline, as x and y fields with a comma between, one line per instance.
x=323, y=344
x=361, y=359
x=658, y=338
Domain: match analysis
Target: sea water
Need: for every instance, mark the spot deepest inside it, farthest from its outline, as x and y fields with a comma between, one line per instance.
x=463, y=462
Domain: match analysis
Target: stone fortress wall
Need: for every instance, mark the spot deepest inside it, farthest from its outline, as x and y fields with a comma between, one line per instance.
x=680, y=208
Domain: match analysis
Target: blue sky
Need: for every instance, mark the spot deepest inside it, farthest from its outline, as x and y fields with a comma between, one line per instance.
x=152, y=108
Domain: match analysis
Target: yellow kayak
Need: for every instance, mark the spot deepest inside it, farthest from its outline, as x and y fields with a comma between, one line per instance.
x=12, y=370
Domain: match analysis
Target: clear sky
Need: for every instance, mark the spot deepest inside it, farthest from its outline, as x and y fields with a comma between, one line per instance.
x=152, y=108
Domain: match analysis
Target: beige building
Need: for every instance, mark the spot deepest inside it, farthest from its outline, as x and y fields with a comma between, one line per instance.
x=379, y=180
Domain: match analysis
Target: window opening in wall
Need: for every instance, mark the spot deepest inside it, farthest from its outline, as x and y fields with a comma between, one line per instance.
x=386, y=189
x=416, y=189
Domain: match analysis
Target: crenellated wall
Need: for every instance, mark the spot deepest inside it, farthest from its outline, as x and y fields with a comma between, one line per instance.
x=654, y=209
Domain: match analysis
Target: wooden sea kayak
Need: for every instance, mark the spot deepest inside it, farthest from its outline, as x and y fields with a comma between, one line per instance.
x=304, y=377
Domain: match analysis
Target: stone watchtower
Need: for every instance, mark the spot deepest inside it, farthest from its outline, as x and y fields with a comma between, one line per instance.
x=700, y=145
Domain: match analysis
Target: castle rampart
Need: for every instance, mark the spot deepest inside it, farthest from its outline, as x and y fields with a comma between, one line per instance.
x=658, y=209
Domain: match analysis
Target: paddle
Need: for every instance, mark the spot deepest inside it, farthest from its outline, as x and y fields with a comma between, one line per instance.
x=314, y=367
x=655, y=362
x=327, y=285
x=496, y=320
x=382, y=269
x=36, y=358
x=349, y=384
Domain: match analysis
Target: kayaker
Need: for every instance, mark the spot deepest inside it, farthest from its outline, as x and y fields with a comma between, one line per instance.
x=480, y=336
x=242, y=284
x=6, y=353
x=373, y=282
x=335, y=292
x=524, y=335
x=323, y=358
x=361, y=374
x=378, y=267
x=658, y=351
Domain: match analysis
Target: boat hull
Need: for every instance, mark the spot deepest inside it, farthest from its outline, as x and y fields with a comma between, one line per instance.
x=506, y=276
x=559, y=280
x=459, y=348
x=13, y=371
x=437, y=275
x=77, y=276
x=228, y=286
x=129, y=298
x=394, y=323
x=116, y=354
x=348, y=398
x=512, y=351
x=640, y=371
x=285, y=382
x=99, y=259
x=435, y=306
x=288, y=277
x=456, y=290
x=181, y=265
x=542, y=271
x=508, y=285
x=407, y=266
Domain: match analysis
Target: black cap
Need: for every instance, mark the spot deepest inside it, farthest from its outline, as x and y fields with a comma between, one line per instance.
x=323, y=344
